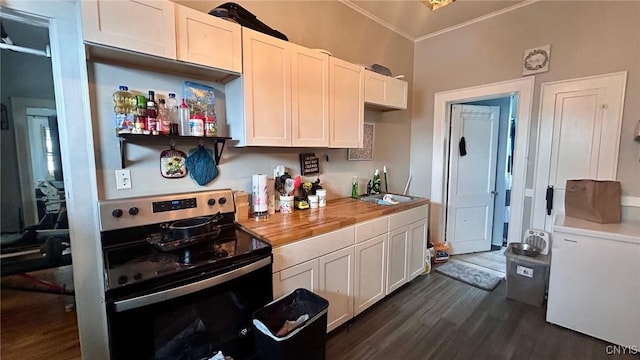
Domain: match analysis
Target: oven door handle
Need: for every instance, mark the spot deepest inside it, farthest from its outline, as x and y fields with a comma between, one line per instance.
x=187, y=289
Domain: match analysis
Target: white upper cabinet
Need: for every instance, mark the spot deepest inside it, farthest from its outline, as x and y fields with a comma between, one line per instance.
x=384, y=92
x=207, y=40
x=282, y=97
x=143, y=26
x=309, y=97
x=346, y=104
x=266, y=82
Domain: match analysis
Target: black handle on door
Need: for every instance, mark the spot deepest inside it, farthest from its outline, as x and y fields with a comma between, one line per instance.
x=549, y=199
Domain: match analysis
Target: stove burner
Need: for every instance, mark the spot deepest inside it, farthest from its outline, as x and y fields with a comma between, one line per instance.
x=203, y=253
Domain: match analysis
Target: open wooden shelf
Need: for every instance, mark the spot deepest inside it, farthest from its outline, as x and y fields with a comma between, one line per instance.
x=218, y=143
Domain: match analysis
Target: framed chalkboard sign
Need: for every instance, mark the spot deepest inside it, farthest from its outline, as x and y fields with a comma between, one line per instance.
x=309, y=164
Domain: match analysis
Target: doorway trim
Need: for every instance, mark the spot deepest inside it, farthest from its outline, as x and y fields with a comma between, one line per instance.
x=71, y=89
x=523, y=89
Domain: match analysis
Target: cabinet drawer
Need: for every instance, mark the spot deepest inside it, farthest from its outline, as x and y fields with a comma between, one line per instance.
x=407, y=217
x=311, y=248
x=372, y=228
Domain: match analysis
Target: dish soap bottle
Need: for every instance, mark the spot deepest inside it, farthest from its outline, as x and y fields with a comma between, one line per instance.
x=375, y=189
x=354, y=187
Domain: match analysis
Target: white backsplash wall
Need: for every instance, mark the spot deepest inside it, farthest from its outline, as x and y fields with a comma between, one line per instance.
x=237, y=164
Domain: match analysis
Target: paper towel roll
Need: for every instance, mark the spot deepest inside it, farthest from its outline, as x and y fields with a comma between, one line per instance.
x=259, y=193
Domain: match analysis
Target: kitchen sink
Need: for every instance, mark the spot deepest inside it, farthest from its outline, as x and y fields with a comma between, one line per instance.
x=387, y=199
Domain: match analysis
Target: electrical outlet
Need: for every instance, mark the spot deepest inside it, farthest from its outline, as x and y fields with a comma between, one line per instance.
x=123, y=179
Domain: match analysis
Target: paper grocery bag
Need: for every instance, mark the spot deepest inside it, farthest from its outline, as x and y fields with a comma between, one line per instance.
x=593, y=200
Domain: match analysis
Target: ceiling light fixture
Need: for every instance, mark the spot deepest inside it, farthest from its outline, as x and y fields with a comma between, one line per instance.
x=434, y=5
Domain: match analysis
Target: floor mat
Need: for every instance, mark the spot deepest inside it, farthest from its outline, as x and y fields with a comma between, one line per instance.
x=469, y=275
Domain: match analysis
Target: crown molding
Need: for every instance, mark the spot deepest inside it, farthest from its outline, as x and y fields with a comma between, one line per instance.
x=377, y=19
x=477, y=20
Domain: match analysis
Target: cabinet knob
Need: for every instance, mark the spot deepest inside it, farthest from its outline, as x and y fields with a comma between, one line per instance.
x=212, y=202
x=116, y=213
x=133, y=211
x=222, y=201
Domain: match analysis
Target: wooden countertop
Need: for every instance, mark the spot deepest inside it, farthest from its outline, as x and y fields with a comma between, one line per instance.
x=280, y=229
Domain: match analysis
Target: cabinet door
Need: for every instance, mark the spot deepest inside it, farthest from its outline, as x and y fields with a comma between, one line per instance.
x=346, y=104
x=417, y=247
x=594, y=287
x=309, y=97
x=206, y=40
x=396, y=94
x=374, y=88
x=145, y=26
x=397, y=259
x=266, y=63
x=370, y=273
x=303, y=275
x=384, y=92
x=336, y=285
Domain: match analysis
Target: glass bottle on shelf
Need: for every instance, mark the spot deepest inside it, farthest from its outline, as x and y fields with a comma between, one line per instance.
x=172, y=113
x=184, y=115
x=141, y=114
x=152, y=115
x=163, y=122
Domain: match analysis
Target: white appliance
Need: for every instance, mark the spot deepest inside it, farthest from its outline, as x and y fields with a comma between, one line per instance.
x=593, y=286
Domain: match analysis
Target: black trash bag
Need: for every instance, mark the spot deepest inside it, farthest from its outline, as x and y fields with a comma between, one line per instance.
x=238, y=14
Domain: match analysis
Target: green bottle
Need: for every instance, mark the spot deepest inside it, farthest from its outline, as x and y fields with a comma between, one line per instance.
x=354, y=188
x=376, y=182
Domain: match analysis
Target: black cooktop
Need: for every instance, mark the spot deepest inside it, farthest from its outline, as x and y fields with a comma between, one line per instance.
x=140, y=260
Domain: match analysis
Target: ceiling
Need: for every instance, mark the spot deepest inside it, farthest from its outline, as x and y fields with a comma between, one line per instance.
x=413, y=20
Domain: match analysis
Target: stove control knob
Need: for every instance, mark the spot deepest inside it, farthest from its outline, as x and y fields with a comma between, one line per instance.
x=212, y=202
x=133, y=211
x=137, y=276
x=116, y=213
x=123, y=279
x=222, y=201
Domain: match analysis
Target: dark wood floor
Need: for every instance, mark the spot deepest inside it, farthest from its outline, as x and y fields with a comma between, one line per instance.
x=433, y=317
x=436, y=317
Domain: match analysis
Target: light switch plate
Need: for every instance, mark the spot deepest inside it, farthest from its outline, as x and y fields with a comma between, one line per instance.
x=123, y=179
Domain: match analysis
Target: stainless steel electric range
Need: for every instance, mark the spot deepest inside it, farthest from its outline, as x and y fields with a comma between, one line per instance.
x=181, y=280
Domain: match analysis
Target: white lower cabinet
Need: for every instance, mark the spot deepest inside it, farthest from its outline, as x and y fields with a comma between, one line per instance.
x=370, y=273
x=594, y=287
x=407, y=244
x=397, y=259
x=417, y=246
x=356, y=266
x=303, y=275
x=336, y=285
x=330, y=276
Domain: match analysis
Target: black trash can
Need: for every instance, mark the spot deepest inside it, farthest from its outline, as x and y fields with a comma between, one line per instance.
x=306, y=341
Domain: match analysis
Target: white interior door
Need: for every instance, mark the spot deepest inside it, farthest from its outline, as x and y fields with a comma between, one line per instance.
x=578, y=138
x=472, y=177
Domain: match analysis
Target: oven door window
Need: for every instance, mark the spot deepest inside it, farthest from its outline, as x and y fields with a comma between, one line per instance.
x=193, y=326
